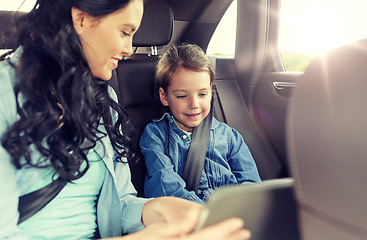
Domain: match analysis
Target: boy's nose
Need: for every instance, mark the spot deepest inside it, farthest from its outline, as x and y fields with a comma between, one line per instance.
x=194, y=103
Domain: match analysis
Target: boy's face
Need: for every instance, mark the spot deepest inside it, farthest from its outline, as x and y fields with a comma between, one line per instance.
x=188, y=97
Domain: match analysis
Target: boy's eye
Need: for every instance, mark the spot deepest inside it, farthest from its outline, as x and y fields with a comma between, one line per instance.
x=181, y=96
x=203, y=94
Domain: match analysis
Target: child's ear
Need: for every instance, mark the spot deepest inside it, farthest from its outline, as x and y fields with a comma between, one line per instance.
x=163, y=97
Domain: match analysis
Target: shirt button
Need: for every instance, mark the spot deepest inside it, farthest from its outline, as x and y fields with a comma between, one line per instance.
x=110, y=155
x=184, y=136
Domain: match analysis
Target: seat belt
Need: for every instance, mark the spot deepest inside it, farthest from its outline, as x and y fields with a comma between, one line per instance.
x=31, y=203
x=197, y=152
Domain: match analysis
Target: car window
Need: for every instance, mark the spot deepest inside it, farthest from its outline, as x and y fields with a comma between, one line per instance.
x=14, y=5
x=308, y=28
x=223, y=41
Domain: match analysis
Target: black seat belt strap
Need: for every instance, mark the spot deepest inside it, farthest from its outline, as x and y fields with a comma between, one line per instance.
x=197, y=152
x=31, y=203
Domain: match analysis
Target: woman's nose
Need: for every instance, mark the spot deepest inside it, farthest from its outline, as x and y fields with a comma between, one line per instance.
x=127, y=49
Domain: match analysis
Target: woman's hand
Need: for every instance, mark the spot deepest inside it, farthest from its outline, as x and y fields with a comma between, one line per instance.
x=169, y=210
x=169, y=218
x=231, y=229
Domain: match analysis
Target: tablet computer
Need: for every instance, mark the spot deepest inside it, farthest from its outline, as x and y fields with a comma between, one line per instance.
x=268, y=209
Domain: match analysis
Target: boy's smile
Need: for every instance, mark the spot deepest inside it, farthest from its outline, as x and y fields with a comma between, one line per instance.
x=192, y=116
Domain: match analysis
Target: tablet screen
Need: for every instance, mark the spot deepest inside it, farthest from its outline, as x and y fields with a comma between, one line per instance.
x=268, y=209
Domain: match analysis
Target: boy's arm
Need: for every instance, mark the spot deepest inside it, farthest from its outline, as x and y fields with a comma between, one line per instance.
x=161, y=178
x=240, y=159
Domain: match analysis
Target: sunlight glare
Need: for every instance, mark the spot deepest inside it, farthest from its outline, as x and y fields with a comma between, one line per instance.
x=313, y=27
x=319, y=33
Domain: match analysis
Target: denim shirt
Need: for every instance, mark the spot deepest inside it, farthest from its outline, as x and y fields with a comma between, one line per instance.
x=165, y=146
x=118, y=209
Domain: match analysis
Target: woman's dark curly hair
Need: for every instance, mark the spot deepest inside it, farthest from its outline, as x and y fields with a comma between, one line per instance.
x=63, y=102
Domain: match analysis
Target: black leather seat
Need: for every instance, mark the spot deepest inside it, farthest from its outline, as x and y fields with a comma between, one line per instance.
x=327, y=145
x=135, y=79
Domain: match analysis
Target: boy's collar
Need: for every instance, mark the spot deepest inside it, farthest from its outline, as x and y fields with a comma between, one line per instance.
x=170, y=118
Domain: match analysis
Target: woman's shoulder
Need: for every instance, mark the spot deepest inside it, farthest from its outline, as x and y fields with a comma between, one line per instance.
x=7, y=76
x=7, y=95
x=7, y=72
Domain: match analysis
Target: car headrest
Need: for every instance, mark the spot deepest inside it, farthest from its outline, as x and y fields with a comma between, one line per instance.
x=136, y=76
x=157, y=25
x=7, y=18
x=327, y=144
x=155, y=30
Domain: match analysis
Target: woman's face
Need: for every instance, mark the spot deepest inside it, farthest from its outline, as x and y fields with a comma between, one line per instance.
x=108, y=39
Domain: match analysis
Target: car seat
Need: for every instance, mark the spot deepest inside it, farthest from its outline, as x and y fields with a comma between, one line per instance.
x=135, y=79
x=327, y=145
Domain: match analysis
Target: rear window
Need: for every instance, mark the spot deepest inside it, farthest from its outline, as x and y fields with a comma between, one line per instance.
x=311, y=27
x=223, y=41
x=14, y=5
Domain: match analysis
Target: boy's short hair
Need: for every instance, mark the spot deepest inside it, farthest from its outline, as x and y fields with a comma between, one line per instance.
x=188, y=56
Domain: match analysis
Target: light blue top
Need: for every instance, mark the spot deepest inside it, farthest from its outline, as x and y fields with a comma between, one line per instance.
x=165, y=146
x=72, y=213
x=118, y=208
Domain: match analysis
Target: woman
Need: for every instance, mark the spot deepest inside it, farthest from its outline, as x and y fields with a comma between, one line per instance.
x=59, y=120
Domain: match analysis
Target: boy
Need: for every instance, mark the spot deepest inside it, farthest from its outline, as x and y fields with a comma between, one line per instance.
x=184, y=80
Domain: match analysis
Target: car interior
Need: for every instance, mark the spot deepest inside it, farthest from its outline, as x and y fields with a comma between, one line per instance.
x=298, y=126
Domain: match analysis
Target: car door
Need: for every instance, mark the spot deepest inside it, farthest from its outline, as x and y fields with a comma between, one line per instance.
x=276, y=40
x=264, y=85
x=260, y=71
x=245, y=67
